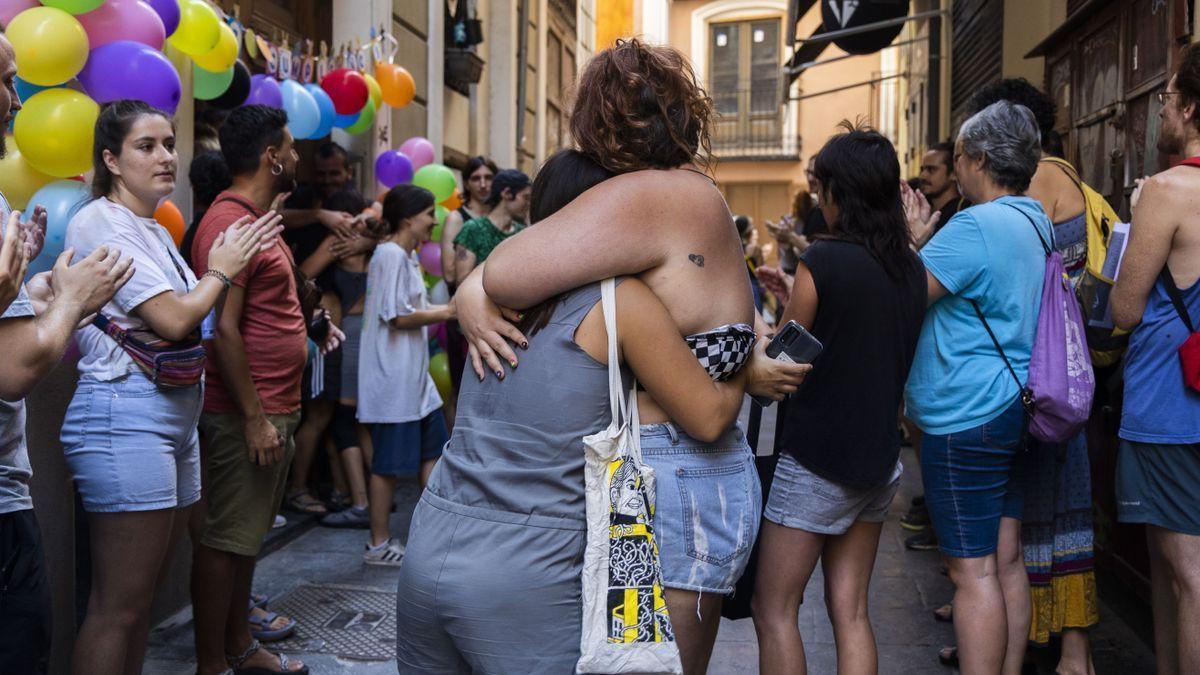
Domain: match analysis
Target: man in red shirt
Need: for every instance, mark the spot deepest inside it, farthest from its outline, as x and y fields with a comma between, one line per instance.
x=252, y=395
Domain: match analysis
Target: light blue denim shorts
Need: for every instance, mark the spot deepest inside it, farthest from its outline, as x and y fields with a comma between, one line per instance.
x=132, y=445
x=802, y=500
x=707, y=506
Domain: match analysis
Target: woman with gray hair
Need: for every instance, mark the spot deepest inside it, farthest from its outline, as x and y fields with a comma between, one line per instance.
x=985, y=272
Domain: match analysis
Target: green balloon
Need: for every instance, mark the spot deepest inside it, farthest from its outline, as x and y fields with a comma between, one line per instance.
x=207, y=85
x=365, y=119
x=74, y=6
x=437, y=179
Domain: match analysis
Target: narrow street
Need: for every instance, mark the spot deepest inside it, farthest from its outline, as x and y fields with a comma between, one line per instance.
x=346, y=609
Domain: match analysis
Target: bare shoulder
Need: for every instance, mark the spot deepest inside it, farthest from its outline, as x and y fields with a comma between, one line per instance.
x=1178, y=186
x=633, y=292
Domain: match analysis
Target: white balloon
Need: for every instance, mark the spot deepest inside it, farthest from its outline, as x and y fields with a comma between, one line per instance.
x=439, y=294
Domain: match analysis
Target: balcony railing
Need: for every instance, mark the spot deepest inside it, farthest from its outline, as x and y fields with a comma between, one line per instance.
x=751, y=124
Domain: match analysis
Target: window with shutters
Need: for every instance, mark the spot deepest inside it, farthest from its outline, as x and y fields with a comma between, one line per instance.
x=745, y=82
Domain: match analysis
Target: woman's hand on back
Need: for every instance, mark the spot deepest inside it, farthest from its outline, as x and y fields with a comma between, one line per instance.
x=773, y=378
x=486, y=327
x=234, y=247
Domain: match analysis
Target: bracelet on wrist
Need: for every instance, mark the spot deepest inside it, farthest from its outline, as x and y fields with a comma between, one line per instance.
x=219, y=276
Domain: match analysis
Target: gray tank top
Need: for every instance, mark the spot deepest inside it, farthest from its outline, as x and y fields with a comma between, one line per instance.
x=518, y=443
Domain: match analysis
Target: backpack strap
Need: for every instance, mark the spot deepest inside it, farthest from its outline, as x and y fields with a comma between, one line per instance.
x=1168, y=282
x=1045, y=246
x=1191, y=161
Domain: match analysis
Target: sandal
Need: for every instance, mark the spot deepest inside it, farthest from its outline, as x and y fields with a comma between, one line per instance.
x=236, y=662
x=338, y=500
x=257, y=601
x=948, y=656
x=945, y=613
x=302, y=502
x=260, y=627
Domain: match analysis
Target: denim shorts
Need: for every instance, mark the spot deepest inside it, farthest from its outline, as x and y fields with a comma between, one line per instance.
x=802, y=500
x=707, y=506
x=132, y=445
x=973, y=479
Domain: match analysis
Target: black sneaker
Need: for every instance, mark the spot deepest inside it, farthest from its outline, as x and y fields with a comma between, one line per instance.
x=917, y=519
x=922, y=541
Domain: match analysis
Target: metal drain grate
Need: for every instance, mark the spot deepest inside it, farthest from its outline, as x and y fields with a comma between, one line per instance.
x=346, y=621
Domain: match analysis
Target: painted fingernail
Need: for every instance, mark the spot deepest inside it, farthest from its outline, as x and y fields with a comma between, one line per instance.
x=524, y=345
x=513, y=363
x=500, y=374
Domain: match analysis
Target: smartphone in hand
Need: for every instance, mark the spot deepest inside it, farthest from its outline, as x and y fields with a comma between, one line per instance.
x=793, y=344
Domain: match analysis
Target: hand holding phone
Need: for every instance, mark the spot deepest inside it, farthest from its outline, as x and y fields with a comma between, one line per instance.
x=792, y=344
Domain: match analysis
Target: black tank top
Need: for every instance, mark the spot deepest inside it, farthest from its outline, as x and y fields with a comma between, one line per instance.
x=842, y=424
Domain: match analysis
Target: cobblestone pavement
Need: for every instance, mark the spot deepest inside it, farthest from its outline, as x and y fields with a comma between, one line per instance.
x=905, y=588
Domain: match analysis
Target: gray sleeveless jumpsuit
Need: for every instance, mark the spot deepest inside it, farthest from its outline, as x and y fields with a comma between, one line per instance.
x=491, y=579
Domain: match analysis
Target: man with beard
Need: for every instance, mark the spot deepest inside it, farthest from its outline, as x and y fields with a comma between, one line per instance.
x=252, y=396
x=305, y=215
x=1157, y=295
x=938, y=184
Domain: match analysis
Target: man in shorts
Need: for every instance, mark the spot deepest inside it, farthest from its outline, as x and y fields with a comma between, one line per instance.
x=1158, y=465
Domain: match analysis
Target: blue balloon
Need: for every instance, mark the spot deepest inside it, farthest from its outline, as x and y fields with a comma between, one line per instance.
x=325, y=105
x=343, y=121
x=303, y=113
x=62, y=198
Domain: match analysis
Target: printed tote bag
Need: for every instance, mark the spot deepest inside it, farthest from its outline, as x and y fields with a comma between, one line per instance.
x=626, y=628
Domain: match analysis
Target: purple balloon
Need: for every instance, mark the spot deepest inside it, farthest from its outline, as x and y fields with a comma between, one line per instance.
x=168, y=11
x=264, y=90
x=393, y=168
x=127, y=69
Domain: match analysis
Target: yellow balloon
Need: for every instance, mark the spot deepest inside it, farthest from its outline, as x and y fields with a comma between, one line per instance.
x=222, y=56
x=18, y=180
x=51, y=46
x=55, y=129
x=373, y=87
x=199, y=28
x=439, y=370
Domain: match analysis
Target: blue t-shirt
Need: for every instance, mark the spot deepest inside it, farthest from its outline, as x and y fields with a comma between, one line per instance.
x=990, y=254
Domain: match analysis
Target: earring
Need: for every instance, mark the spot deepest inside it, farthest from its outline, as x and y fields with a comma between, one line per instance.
x=277, y=170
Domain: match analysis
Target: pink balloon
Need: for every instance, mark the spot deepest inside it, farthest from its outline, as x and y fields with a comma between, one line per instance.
x=123, y=20
x=438, y=331
x=431, y=258
x=419, y=150
x=11, y=8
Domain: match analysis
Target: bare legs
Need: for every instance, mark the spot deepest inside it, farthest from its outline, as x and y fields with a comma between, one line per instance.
x=695, y=618
x=787, y=559
x=383, y=496
x=992, y=606
x=317, y=414
x=129, y=551
x=1175, y=583
x=1076, y=657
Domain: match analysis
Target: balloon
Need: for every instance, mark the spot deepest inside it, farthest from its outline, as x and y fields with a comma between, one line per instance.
x=439, y=294
x=431, y=258
x=325, y=106
x=19, y=180
x=440, y=212
x=62, y=198
x=11, y=8
x=438, y=330
x=169, y=216
x=395, y=84
x=364, y=122
x=393, y=168
x=238, y=89
x=223, y=55
x=264, y=90
x=25, y=91
x=348, y=90
x=439, y=370
x=168, y=13
x=74, y=6
x=50, y=45
x=127, y=69
x=123, y=20
x=437, y=179
x=419, y=149
x=436, y=233
x=304, y=116
x=55, y=131
x=373, y=90
x=346, y=121
x=199, y=28
x=207, y=86
x=455, y=201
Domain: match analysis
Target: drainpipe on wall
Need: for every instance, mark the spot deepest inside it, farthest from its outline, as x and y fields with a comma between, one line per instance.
x=522, y=73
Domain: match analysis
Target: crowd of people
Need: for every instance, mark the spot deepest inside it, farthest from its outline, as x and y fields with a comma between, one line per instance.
x=297, y=319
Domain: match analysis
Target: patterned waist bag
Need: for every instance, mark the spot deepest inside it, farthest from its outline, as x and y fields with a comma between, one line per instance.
x=626, y=627
x=166, y=363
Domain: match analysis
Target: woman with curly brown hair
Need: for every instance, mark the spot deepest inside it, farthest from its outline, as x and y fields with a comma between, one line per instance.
x=641, y=114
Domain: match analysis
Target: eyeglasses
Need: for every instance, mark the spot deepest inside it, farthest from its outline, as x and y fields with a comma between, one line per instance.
x=1163, y=95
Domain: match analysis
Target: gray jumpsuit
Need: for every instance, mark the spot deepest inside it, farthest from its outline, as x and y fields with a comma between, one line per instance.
x=491, y=579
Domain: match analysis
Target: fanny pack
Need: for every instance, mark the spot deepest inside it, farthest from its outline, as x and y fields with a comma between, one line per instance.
x=166, y=363
x=1189, y=351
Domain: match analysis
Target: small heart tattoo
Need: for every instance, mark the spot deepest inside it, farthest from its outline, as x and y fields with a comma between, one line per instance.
x=697, y=259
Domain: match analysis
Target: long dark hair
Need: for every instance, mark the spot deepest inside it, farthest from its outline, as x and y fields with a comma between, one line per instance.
x=402, y=202
x=565, y=176
x=112, y=126
x=859, y=171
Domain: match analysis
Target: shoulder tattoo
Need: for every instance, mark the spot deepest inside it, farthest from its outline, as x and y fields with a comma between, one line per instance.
x=697, y=259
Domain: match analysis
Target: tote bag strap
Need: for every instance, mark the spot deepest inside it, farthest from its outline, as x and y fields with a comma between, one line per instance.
x=616, y=395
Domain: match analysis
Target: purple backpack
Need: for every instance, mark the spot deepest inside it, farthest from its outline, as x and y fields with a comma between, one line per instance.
x=1058, y=396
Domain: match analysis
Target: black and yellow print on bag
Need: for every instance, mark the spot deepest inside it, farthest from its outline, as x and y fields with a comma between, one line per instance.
x=637, y=611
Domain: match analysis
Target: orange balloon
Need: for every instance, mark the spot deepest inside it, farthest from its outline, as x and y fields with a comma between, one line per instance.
x=454, y=202
x=169, y=216
x=396, y=84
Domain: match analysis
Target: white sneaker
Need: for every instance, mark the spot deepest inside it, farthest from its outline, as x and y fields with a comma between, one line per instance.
x=388, y=554
x=280, y=521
